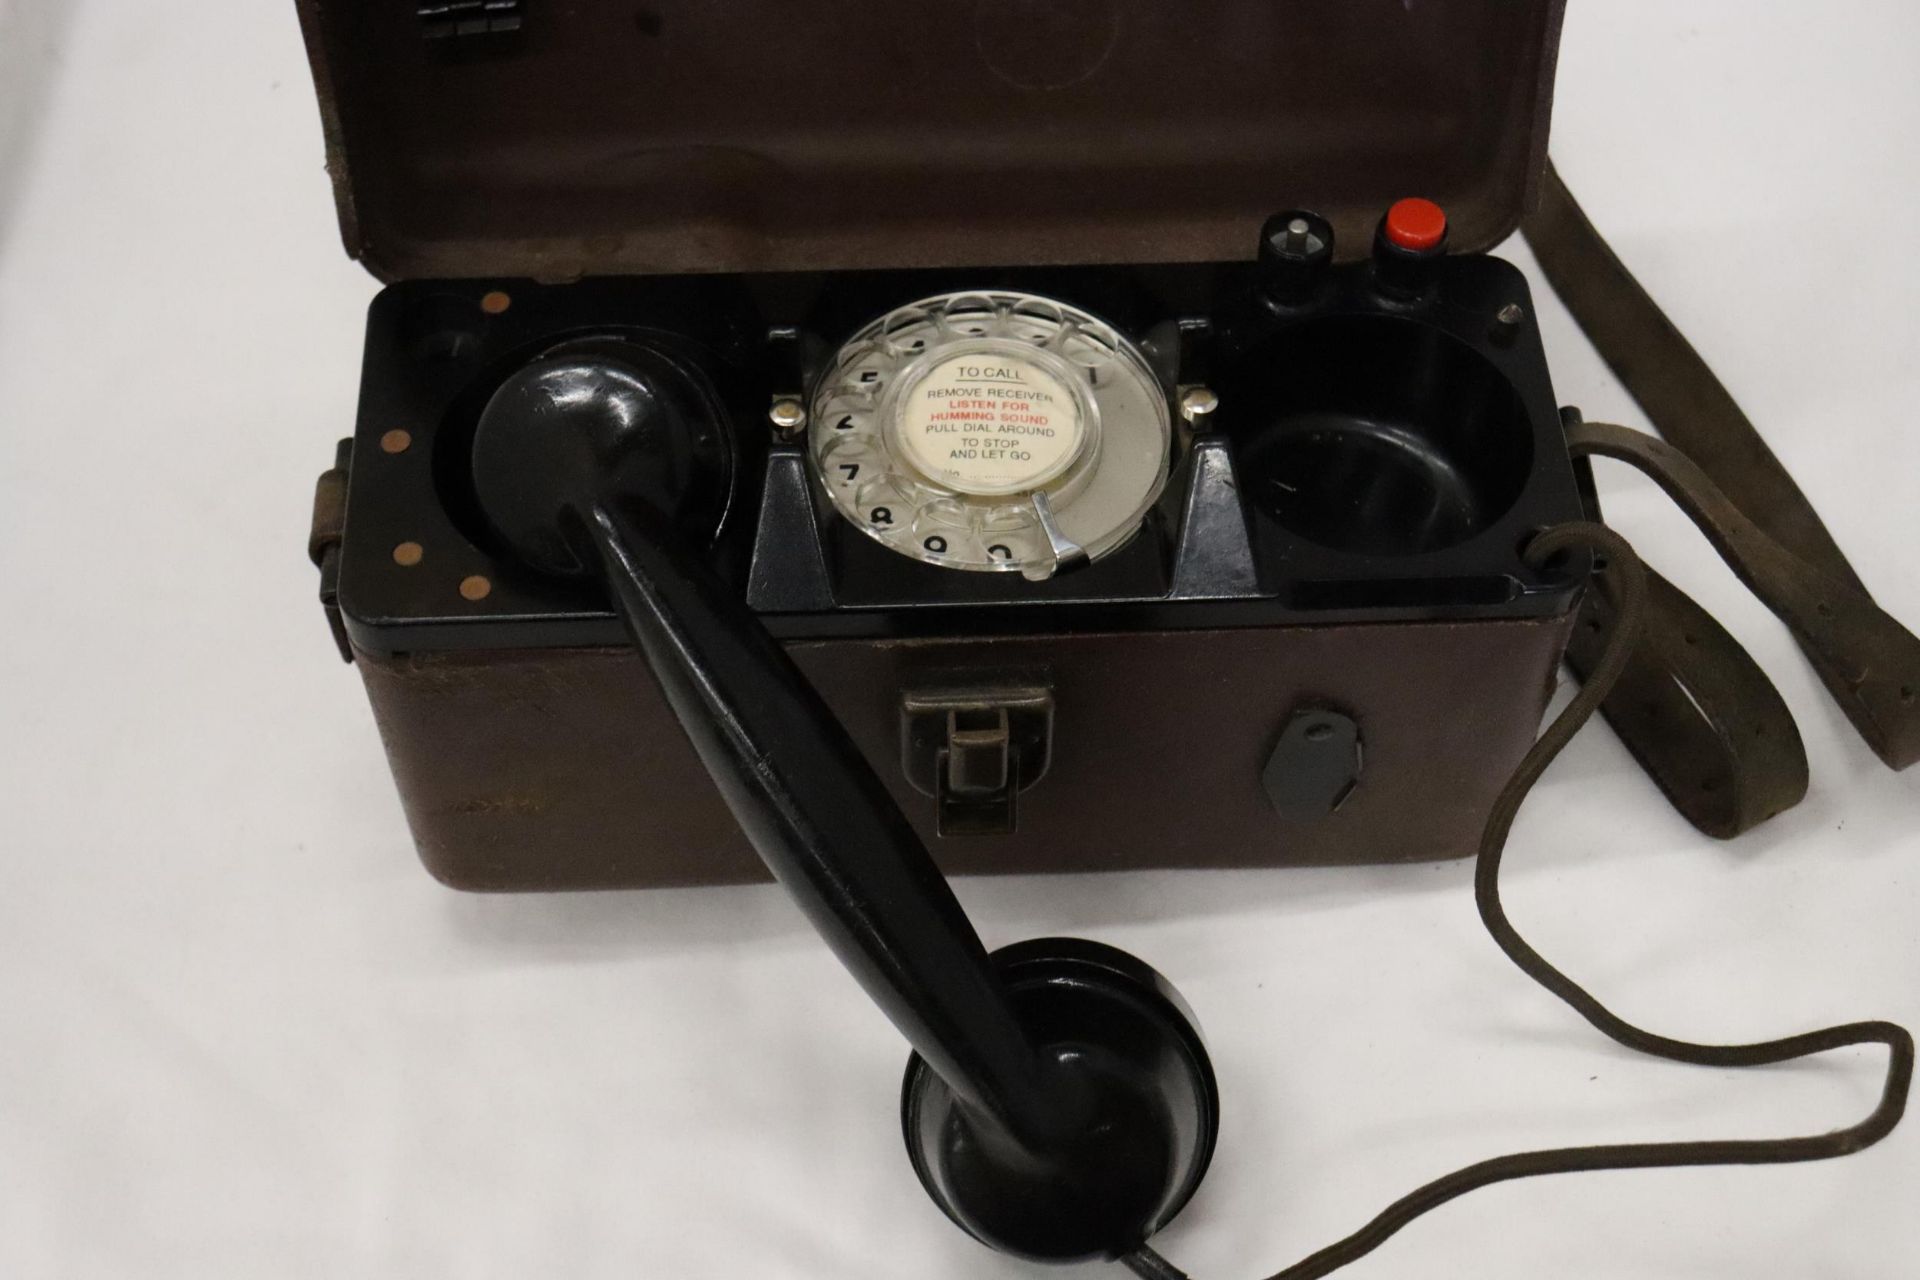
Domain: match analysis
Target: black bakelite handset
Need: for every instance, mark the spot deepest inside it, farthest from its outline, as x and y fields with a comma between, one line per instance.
x=1059, y=1103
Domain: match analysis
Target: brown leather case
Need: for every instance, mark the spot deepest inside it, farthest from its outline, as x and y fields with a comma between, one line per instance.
x=766, y=135
x=773, y=135
x=562, y=768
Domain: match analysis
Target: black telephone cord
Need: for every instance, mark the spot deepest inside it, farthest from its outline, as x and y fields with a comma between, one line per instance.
x=1629, y=579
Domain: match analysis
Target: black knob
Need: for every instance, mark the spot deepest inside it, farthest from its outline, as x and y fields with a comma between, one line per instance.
x=1295, y=250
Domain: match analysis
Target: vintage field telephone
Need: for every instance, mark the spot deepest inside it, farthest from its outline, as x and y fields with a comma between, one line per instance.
x=1014, y=491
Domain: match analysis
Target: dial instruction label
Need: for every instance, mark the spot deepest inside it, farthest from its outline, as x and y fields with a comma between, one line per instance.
x=990, y=423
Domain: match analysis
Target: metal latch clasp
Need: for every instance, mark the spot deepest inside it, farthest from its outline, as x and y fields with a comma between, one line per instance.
x=975, y=750
x=323, y=541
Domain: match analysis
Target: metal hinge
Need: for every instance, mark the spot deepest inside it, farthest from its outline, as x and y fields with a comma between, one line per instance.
x=975, y=750
x=323, y=540
x=457, y=19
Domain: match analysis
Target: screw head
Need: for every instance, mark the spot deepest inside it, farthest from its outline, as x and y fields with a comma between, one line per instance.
x=1506, y=324
x=787, y=413
x=1198, y=402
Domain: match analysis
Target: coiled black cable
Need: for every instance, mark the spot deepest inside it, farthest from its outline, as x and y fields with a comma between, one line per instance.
x=1629, y=581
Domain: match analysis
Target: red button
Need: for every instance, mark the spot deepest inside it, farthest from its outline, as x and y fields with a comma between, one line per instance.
x=1416, y=225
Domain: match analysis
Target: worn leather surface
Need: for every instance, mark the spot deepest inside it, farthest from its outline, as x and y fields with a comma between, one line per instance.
x=1695, y=710
x=762, y=135
x=1668, y=379
x=562, y=768
x=1868, y=660
x=1693, y=707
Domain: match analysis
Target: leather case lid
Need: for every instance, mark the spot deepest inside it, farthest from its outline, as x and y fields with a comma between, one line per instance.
x=607, y=137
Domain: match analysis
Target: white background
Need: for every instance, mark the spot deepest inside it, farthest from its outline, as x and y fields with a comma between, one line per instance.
x=243, y=1034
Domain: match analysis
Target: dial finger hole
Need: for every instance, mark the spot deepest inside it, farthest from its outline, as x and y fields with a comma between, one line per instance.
x=903, y=334
x=1061, y=340
x=882, y=507
x=864, y=371
x=845, y=465
x=945, y=513
x=1009, y=549
x=1007, y=518
x=1096, y=360
x=1039, y=321
x=940, y=542
x=844, y=417
x=1086, y=349
x=971, y=315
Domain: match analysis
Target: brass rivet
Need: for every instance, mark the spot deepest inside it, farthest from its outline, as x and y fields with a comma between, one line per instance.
x=787, y=413
x=476, y=587
x=408, y=554
x=396, y=441
x=495, y=302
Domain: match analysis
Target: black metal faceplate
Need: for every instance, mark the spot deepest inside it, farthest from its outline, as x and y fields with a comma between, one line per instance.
x=1207, y=557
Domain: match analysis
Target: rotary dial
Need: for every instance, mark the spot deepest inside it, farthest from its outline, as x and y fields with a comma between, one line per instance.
x=995, y=432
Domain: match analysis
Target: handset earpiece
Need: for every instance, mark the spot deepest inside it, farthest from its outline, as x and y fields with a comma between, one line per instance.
x=612, y=415
x=1059, y=1103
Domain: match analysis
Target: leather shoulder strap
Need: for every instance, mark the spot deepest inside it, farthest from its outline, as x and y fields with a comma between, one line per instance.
x=1870, y=661
x=1674, y=387
x=1695, y=709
